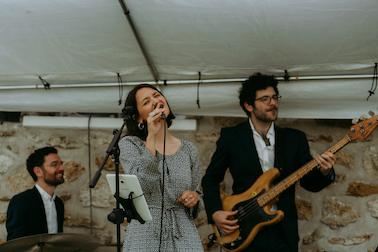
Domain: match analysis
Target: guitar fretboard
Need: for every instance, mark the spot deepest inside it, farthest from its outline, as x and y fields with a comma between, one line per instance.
x=276, y=190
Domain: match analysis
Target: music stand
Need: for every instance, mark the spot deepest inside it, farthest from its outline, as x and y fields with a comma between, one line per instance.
x=130, y=197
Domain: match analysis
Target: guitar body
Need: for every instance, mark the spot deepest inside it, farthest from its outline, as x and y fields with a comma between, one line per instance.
x=256, y=218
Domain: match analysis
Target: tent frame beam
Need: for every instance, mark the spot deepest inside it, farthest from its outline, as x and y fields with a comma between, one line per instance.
x=183, y=82
x=150, y=65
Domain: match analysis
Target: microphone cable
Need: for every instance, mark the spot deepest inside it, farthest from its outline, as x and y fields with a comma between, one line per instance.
x=89, y=171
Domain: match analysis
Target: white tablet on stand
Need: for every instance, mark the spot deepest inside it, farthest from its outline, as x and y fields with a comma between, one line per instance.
x=128, y=184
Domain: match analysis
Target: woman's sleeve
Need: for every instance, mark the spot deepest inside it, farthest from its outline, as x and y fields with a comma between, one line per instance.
x=137, y=160
x=196, y=179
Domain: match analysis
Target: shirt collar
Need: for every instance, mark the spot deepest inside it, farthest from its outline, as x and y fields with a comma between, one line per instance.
x=270, y=135
x=44, y=194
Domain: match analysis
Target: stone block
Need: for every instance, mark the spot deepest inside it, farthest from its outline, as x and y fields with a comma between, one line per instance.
x=3, y=218
x=373, y=208
x=72, y=171
x=6, y=162
x=62, y=142
x=5, y=199
x=316, y=235
x=344, y=159
x=20, y=181
x=351, y=240
x=13, y=146
x=320, y=138
x=109, y=164
x=33, y=136
x=304, y=209
x=370, y=158
x=7, y=133
x=361, y=189
x=336, y=213
x=99, y=139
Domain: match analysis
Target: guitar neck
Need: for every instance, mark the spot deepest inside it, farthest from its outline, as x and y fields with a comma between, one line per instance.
x=276, y=190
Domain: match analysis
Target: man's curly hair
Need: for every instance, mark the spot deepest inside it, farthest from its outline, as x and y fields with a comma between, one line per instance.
x=258, y=81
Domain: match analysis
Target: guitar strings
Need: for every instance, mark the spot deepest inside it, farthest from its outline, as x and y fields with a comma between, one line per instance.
x=268, y=196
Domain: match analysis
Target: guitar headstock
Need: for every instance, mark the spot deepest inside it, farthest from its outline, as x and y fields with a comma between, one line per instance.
x=363, y=129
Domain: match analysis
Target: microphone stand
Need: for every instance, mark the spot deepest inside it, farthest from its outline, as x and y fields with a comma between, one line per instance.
x=117, y=216
x=163, y=187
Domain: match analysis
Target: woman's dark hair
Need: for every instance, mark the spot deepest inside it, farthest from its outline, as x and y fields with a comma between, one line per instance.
x=258, y=81
x=132, y=124
x=37, y=159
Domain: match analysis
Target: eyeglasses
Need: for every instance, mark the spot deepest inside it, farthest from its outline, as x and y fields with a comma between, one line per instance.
x=268, y=99
x=55, y=164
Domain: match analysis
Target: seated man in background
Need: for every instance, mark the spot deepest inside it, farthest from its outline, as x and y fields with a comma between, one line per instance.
x=38, y=210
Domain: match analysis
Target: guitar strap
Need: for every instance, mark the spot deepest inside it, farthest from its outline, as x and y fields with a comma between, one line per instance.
x=280, y=150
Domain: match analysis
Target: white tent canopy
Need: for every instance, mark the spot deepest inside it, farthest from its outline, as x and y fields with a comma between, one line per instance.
x=78, y=47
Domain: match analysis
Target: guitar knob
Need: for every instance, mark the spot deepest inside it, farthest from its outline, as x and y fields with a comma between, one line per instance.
x=240, y=238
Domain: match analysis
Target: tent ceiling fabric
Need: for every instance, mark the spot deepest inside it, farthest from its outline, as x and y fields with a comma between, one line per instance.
x=89, y=42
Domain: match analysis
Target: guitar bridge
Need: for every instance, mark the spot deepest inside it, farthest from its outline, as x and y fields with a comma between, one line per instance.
x=232, y=245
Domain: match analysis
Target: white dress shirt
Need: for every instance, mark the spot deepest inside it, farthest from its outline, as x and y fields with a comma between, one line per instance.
x=50, y=210
x=265, y=153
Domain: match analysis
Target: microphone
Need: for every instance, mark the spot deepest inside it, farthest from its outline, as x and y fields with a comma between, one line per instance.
x=162, y=114
x=126, y=111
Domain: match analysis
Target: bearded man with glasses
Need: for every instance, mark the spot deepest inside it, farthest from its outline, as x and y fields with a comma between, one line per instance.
x=38, y=210
x=252, y=148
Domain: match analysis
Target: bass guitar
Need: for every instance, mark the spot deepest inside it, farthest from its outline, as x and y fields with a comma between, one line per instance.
x=254, y=204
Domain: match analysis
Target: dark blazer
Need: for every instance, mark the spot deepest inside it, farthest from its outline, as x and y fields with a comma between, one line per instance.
x=236, y=150
x=26, y=215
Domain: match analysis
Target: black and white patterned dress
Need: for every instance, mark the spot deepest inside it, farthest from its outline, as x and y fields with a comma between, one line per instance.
x=182, y=172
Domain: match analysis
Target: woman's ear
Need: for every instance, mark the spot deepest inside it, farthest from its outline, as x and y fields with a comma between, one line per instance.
x=137, y=120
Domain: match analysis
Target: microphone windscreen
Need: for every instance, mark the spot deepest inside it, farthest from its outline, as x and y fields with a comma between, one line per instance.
x=126, y=111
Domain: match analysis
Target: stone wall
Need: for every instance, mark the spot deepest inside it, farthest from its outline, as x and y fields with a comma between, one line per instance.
x=342, y=217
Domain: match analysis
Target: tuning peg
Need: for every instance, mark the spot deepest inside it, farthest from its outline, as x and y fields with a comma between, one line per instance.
x=363, y=117
x=371, y=113
x=355, y=121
